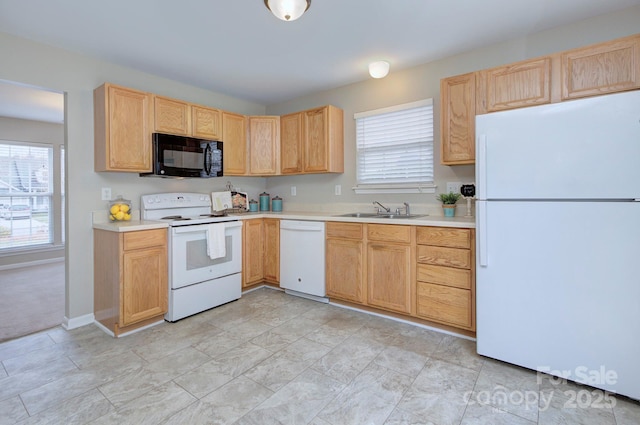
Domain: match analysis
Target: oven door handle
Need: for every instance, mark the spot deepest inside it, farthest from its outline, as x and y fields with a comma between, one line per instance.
x=202, y=227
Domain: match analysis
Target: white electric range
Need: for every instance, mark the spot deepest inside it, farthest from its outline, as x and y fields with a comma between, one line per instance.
x=196, y=282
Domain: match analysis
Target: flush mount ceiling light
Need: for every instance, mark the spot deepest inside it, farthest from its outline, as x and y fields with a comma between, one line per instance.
x=287, y=10
x=379, y=69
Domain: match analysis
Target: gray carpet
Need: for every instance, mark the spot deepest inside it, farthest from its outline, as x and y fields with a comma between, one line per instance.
x=31, y=299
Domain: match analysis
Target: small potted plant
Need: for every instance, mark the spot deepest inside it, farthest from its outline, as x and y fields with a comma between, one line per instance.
x=449, y=203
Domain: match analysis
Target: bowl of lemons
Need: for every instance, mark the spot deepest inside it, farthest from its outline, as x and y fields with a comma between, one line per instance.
x=119, y=209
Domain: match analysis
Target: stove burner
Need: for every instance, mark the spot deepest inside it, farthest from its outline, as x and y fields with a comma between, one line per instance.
x=214, y=215
x=175, y=217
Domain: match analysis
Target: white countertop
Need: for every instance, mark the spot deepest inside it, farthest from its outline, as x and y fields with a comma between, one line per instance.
x=130, y=226
x=427, y=220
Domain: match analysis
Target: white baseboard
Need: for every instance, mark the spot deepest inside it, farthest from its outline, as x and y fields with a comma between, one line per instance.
x=31, y=263
x=77, y=322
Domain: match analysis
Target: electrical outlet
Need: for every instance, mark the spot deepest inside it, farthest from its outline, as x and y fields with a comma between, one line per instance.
x=453, y=187
x=293, y=191
x=106, y=193
x=338, y=190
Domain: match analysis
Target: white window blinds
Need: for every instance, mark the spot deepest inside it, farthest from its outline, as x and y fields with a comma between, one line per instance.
x=395, y=146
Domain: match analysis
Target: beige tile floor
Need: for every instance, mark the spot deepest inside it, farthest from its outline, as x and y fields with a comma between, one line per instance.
x=270, y=358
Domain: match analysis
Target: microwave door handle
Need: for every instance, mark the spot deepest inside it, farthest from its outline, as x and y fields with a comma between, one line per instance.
x=207, y=160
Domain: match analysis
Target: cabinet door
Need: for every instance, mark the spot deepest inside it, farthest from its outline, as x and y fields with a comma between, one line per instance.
x=315, y=140
x=206, y=123
x=122, y=126
x=252, y=251
x=389, y=276
x=234, y=139
x=264, y=145
x=517, y=85
x=144, y=285
x=457, y=119
x=344, y=269
x=272, y=250
x=323, y=140
x=291, y=143
x=172, y=116
x=602, y=68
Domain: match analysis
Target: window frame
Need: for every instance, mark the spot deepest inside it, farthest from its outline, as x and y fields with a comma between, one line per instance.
x=52, y=193
x=405, y=187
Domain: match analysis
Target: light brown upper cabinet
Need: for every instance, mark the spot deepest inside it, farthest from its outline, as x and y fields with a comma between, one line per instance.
x=323, y=140
x=264, y=145
x=172, y=116
x=457, y=119
x=234, y=144
x=291, y=143
x=123, y=119
x=186, y=119
x=206, y=123
x=601, y=68
x=517, y=85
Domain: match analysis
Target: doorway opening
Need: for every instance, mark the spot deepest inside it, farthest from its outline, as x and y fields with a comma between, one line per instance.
x=32, y=216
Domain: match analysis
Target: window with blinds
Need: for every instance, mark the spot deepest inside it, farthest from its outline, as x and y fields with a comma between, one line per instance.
x=26, y=192
x=395, y=149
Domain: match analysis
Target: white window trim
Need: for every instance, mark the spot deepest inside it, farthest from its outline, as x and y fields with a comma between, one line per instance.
x=416, y=188
x=387, y=188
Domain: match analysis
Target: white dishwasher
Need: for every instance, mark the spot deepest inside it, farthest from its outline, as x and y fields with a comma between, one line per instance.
x=302, y=258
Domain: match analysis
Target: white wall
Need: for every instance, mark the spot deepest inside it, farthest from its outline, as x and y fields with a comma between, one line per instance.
x=77, y=76
x=420, y=82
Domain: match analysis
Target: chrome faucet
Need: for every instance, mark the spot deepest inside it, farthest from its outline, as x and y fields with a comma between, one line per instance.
x=407, y=211
x=388, y=210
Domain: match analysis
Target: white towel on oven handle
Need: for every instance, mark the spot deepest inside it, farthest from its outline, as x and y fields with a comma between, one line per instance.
x=216, y=246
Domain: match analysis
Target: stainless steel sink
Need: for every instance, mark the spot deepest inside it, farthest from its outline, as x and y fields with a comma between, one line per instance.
x=383, y=215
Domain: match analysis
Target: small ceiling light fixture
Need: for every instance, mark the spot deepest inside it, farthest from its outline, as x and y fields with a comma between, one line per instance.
x=379, y=69
x=287, y=10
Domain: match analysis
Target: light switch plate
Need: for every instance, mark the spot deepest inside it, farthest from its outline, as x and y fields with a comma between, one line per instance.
x=338, y=190
x=293, y=191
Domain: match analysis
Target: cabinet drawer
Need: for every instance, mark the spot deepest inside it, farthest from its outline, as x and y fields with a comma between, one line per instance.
x=444, y=236
x=144, y=238
x=389, y=233
x=439, y=256
x=458, y=278
x=445, y=304
x=344, y=230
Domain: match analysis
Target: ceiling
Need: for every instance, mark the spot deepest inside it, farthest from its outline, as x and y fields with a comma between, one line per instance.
x=238, y=48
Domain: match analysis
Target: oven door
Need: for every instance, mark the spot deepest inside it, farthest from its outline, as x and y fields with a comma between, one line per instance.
x=189, y=262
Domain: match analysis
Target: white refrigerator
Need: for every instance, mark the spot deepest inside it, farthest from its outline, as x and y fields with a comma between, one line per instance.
x=558, y=239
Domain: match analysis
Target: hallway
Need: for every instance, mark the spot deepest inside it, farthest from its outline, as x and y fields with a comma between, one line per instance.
x=31, y=299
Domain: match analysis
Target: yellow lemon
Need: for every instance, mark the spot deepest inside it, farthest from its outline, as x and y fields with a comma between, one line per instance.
x=127, y=217
x=124, y=208
x=112, y=217
x=119, y=215
x=114, y=209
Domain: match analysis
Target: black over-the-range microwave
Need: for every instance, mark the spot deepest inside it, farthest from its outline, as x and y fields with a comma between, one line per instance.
x=180, y=156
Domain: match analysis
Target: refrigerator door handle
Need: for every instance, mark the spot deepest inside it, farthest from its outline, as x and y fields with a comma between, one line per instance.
x=481, y=212
x=482, y=167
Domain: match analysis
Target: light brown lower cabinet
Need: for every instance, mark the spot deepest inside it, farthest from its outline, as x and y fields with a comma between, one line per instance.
x=260, y=251
x=345, y=259
x=445, y=274
x=130, y=278
x=272, y=250
x=415, y=271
